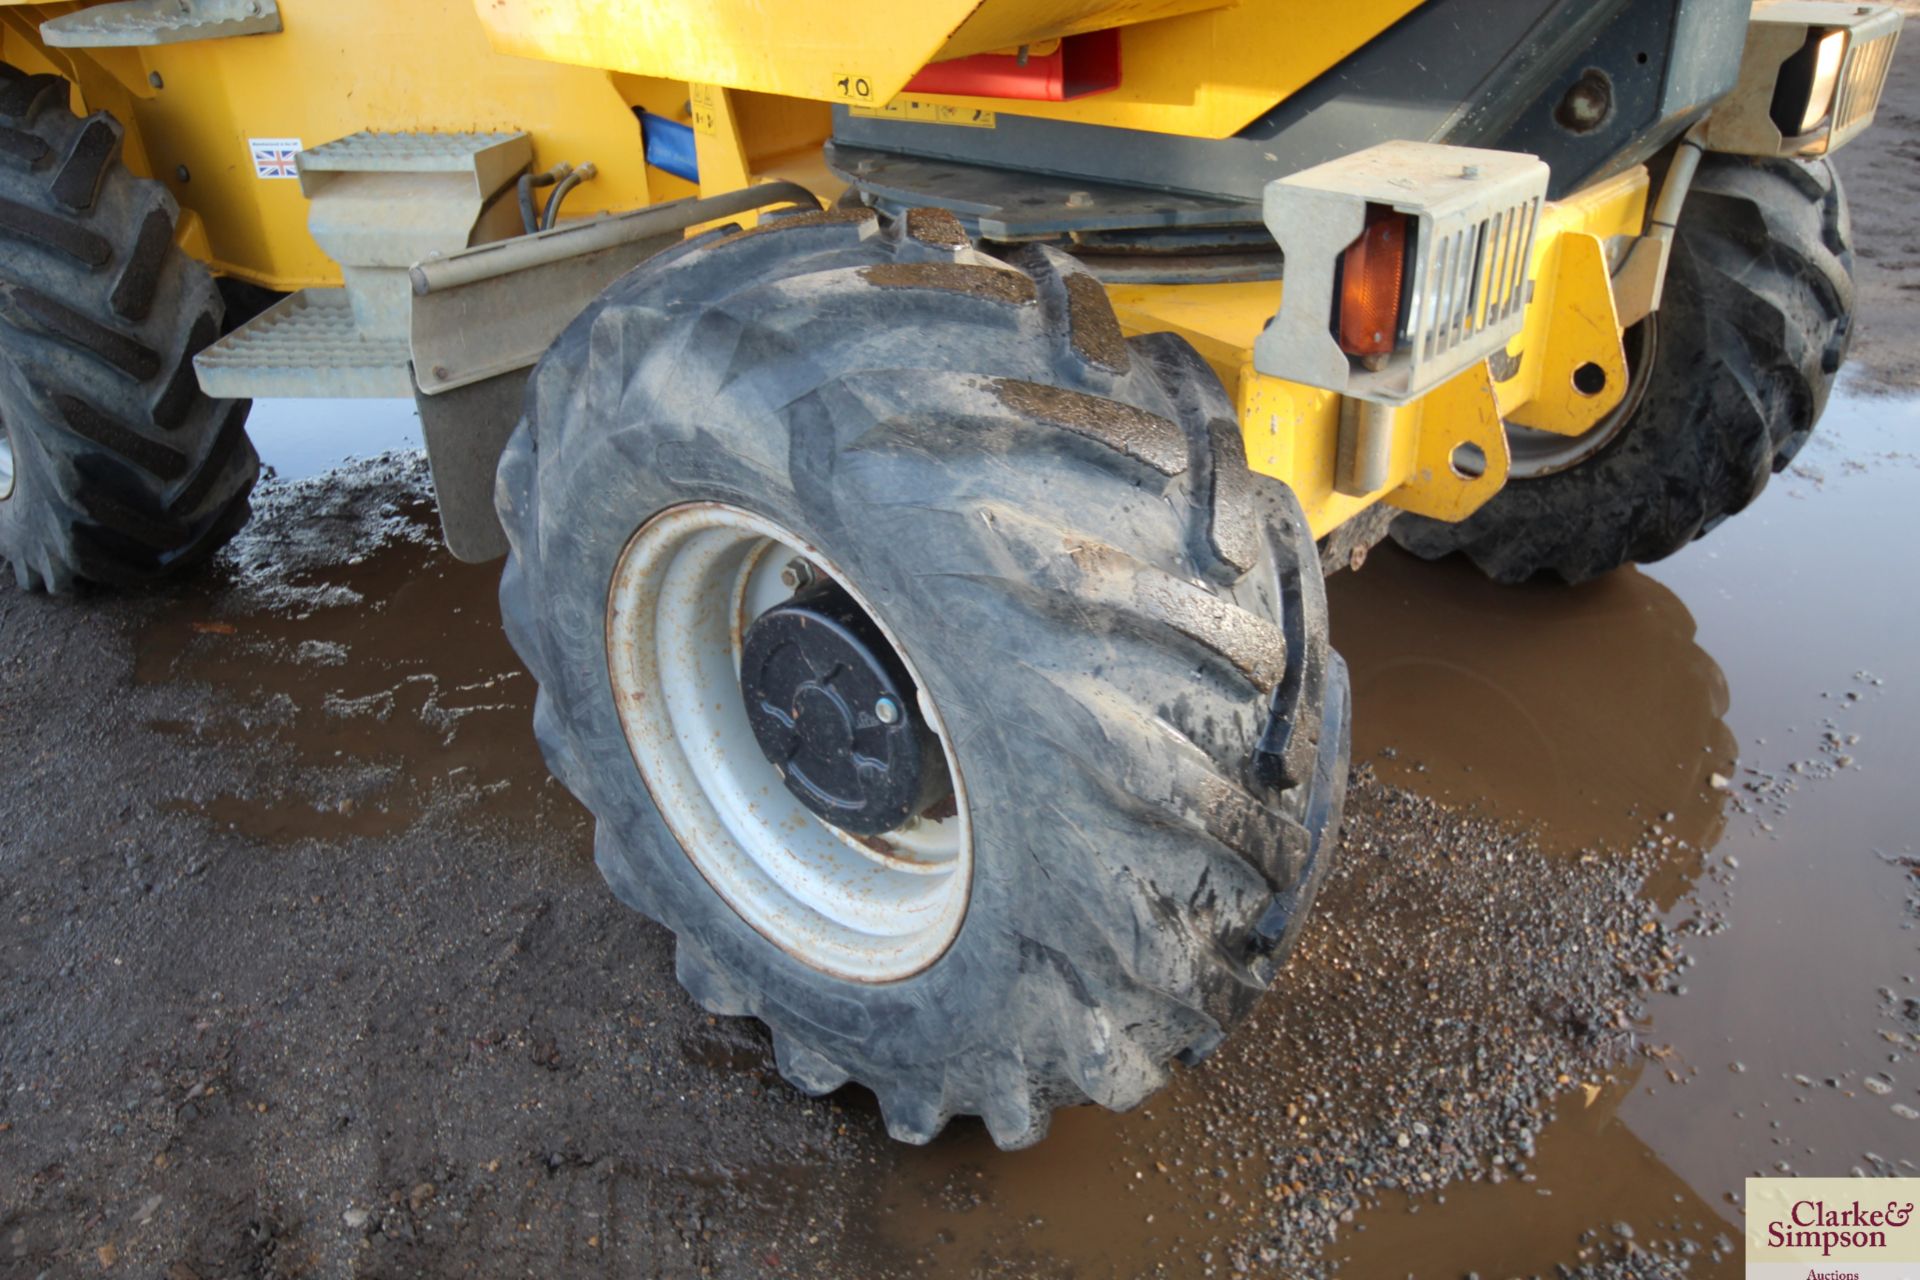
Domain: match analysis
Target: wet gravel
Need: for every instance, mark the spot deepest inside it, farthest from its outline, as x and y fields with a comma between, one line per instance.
x=1455, y=980
x=305, y=970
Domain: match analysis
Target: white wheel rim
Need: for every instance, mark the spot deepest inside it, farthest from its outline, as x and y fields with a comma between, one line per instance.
x=684, y=590
x=6, y=463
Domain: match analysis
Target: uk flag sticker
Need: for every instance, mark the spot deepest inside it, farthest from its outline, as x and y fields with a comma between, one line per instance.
x=275, y=157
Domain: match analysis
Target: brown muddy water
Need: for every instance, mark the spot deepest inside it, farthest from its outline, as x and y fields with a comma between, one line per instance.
x=1697, y=772
x=1748, y=707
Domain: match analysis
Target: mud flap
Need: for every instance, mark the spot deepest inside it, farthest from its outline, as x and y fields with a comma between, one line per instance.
x=466, y=430
x=482, y=318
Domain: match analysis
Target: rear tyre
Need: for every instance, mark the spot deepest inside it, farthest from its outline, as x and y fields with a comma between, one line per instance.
x=1116, y=635
x=1753, y=327
x=113, y=466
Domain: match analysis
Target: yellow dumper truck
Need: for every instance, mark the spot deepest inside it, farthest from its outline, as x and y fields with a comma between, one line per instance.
x=917, y=434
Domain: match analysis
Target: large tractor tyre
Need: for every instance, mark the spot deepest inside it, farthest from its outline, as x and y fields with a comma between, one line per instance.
x=114, y=468
x=1062, y=746
x=1729, y=378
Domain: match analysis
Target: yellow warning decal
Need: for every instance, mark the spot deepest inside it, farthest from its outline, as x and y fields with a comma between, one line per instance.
x=929, y=113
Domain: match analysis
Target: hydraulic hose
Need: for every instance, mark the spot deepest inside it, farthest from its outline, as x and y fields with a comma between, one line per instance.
x=585, y=173
x=529, y=183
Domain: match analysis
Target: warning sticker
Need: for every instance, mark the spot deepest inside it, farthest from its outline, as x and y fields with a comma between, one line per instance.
x=704, y=101
x=275, y=157
x=929, y=113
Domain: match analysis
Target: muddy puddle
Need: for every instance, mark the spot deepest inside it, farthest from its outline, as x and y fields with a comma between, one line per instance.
x=1747, y=710
x=395, y=689
x=1592, y=714
x=357, y=656
x=1624, y=916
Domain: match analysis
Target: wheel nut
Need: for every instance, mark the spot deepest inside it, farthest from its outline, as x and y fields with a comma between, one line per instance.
x=797, y=575
x=887, y=711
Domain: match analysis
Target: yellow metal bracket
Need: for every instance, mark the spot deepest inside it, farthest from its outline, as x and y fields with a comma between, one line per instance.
x=1442, y=455
x=1579, y=367
x=1460, y=454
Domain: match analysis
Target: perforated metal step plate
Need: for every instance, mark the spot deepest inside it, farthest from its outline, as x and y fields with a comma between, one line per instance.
x=368, y=152
x=152, y=22
x=306, y=345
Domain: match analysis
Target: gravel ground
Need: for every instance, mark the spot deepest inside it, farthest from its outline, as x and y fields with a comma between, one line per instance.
x=251, y=1027
x=1395, y=1058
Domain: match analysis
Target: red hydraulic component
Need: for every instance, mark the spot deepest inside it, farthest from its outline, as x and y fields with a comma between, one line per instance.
x=1078, y=66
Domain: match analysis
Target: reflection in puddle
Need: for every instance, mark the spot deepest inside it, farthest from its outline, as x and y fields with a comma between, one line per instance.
x=1587, y=711
x=1793, y=1018
x=1783, y=1055
x=302, y=438
x=388, y=685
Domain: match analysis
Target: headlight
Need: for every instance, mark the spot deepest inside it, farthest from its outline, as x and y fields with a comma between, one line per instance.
x=1810, y=78
x=1803, y=94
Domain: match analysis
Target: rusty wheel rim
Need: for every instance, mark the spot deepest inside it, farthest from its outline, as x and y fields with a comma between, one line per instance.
x=683, y=591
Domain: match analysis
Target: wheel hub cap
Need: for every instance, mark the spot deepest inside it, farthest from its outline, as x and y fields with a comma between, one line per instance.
x=831, y=706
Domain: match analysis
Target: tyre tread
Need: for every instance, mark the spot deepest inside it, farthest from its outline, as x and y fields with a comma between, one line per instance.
x=127, y=471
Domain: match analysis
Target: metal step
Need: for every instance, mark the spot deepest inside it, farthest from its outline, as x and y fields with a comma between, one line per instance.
x=306, y=345
x=152, y=22
x=377, y=203
x=368, y=152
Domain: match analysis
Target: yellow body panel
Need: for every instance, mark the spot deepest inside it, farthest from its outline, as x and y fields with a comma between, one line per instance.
x=339, y=67
x=1203, y=74
x=1292, y=432
x=850, y=51
x=757, y=107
